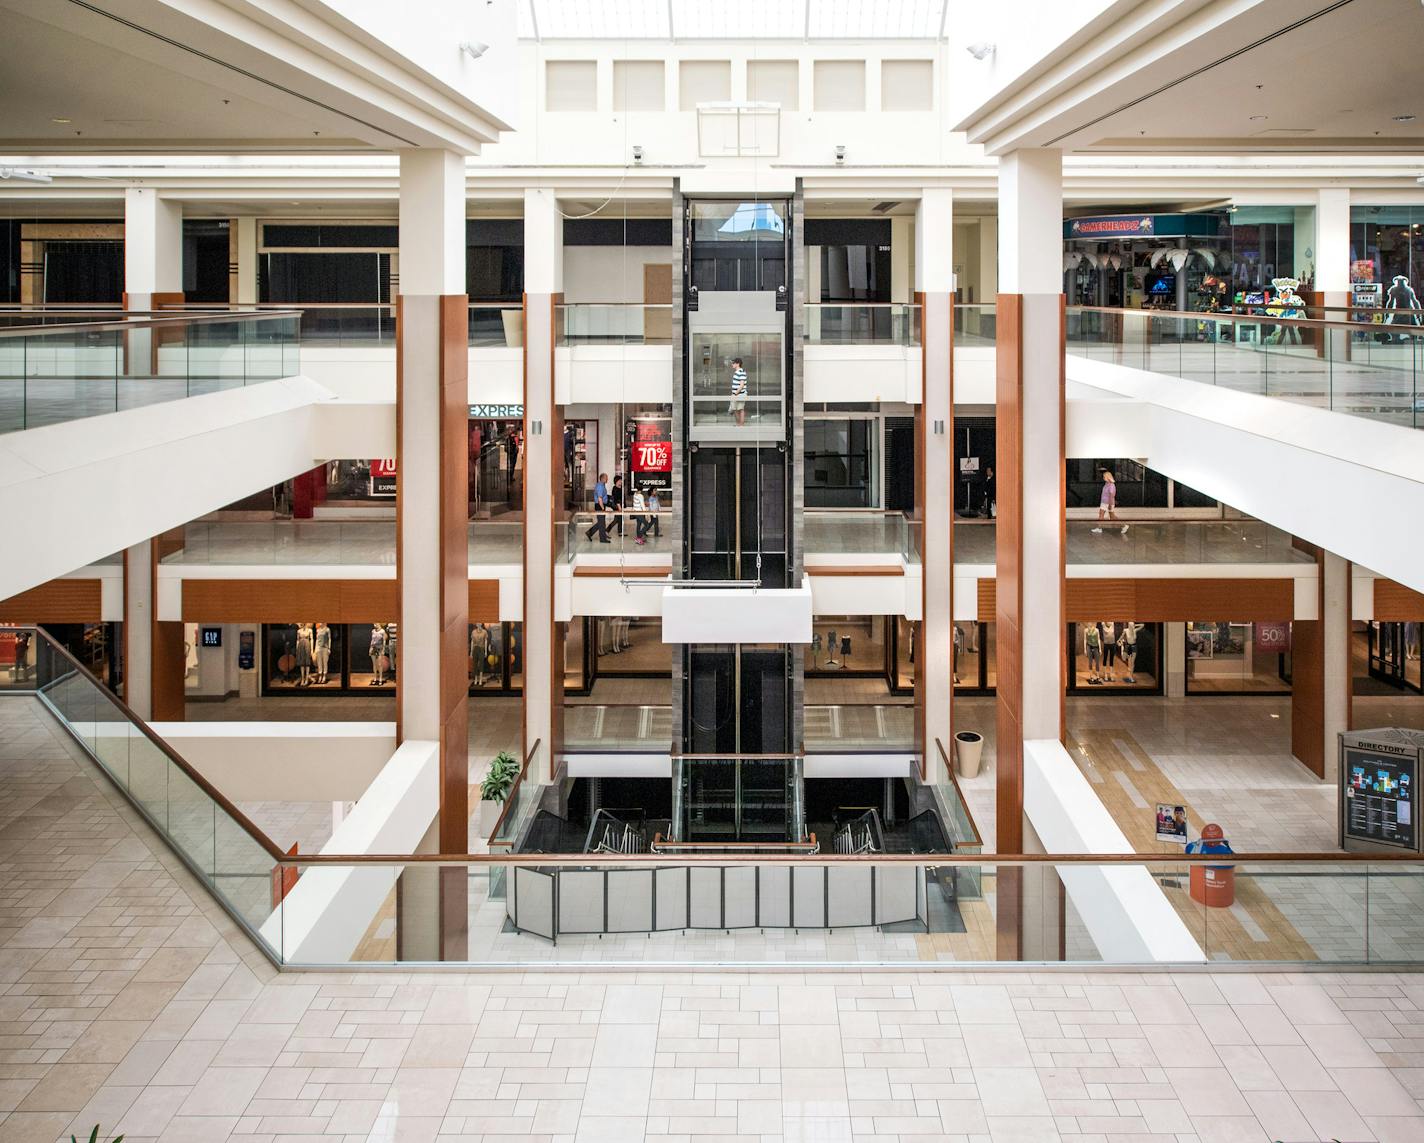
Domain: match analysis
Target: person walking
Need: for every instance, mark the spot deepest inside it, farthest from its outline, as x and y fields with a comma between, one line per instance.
x=738, y=406
x=1107, y=502
x=600, y=506
x=991, y=493
x=615, y=502
x=654, y=507
x=640, y=519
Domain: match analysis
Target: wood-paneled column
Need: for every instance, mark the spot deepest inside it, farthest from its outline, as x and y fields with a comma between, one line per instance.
x=432, y=558
x=1029, y=607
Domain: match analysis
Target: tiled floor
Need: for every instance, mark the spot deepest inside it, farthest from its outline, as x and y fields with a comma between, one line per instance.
x=131, y=1003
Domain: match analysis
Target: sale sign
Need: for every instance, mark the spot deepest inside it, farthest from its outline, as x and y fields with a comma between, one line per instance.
x=1272, y=638
x=652, y=456
x=383, y=477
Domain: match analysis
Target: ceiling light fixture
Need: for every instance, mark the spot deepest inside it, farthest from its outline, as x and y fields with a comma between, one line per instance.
x=1257, y=118
x=982, y=50
x=61, y=119
x=25, y=176
x=474, y=48
x=1404, y=119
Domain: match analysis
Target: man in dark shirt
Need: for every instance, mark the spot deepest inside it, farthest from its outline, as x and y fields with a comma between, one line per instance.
x=615, y=500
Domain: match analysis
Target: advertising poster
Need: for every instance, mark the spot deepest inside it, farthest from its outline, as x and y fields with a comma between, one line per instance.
x=650, y=455
x=383, y=477
x=1379, y=796
x=1171, y=823
x=1272, y=638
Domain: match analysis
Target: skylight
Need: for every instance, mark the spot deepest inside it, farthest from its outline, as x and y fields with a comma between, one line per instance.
x=731, y=19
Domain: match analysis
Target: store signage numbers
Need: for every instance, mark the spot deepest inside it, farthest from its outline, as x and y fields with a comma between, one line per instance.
x=1273, y=638
x=383, y=477
x=652, y=456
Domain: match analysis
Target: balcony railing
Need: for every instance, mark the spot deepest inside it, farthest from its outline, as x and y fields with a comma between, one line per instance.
x=862, y=323
x=362, y=543
x=1365, y=370
x=1299, y=910
x=857, y=531
x=63, y=369
x=613, y=323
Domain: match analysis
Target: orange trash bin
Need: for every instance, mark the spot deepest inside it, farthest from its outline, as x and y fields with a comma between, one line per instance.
x=1212, y=885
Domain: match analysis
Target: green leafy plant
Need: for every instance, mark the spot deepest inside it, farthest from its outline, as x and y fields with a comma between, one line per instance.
x=94, y=1137
x=498, y=779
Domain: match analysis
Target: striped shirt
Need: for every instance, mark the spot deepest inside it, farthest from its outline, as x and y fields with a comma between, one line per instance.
x=739, y=382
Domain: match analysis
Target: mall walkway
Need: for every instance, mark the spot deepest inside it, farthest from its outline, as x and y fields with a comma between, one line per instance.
x=130, y=1001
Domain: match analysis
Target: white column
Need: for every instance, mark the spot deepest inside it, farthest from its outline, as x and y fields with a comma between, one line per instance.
x=153, y=246
x=1335, y=648
x=1030, y=264
x=934, y=279
x=1332, y=244
x=246, y=261
x=543, y=289
x=153, y=265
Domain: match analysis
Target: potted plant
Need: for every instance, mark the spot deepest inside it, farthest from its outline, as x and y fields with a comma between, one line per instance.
x=494, y=789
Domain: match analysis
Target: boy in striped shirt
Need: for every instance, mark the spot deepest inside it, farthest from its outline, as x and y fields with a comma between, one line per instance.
x=738, y=407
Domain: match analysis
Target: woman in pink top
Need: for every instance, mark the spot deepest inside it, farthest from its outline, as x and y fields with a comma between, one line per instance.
x=1107, y=505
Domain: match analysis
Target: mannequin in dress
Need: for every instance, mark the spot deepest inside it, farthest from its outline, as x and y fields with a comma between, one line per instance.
x=479, y=653
x=304, y=655
x=323, y=651
x=379, y=640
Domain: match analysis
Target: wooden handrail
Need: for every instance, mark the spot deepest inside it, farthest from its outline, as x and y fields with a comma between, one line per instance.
x=172, y=755
x=959, y=790
x=509, y=797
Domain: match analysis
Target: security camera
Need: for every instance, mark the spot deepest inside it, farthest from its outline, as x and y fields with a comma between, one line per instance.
x=982, y=50
x=474, y=48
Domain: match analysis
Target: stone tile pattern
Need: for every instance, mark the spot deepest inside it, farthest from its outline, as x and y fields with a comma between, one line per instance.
x=129, y=1001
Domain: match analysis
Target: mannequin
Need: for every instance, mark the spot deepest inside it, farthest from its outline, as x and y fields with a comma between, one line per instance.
x=380, y=641
x=479, y=651
x=304, y=655
x=323, y=651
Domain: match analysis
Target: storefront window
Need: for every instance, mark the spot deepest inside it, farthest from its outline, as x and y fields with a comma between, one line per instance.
x=496, y=661
x=1386, y=243
x=842, y=468
x=629, y=646
x=1114, y=656
x=375, y=657
x=303, y=656
x=1263, y=246
x=1237, y=658
x=361, y=480
x=496, y=467
x=1391, y=653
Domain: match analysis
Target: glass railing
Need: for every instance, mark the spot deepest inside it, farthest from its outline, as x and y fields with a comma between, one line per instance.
x=231, y=856
x=1365, y=370
x=1318, y=910
x=365, y=543
x=625, y=728
x=1148, y=542
x=974, y=325
x=497, y=324
x=855, y=728
x=867, y=323
x=619, y=533
x=701, y=904
x=855, y=531
x=612, y=323
x=64, y=372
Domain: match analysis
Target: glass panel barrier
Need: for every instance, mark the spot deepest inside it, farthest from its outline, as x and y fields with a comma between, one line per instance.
x=852, y=532
x=974, y=325
x=781, y=903
x=496, y=325
x=51, y=373
x=218, y=844
x=869, y=323
x=329, y=542
x=613, y=323
x=1240, y=541
x=607, y=533
x=1365, y=369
